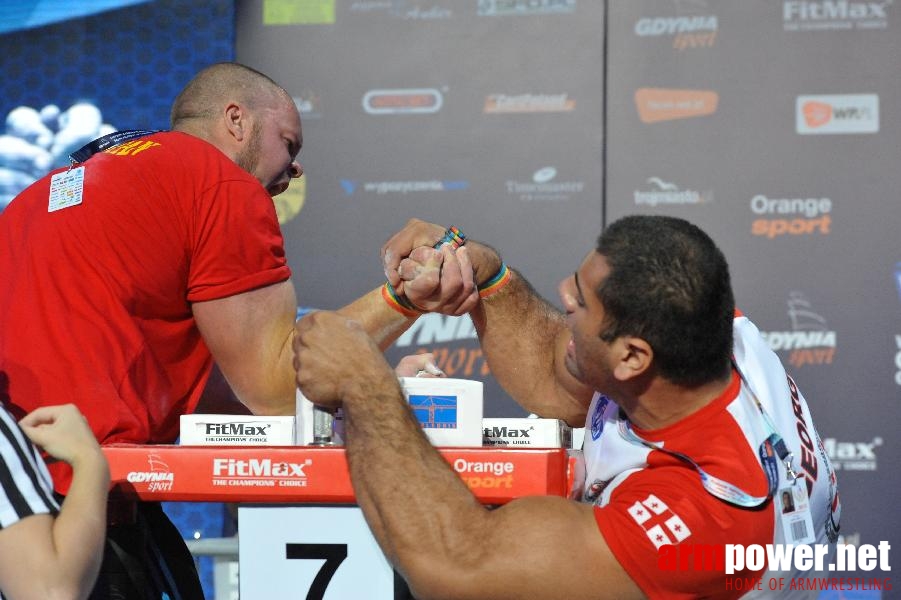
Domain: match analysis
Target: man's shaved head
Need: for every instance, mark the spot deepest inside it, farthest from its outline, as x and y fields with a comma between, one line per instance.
x=219, y=83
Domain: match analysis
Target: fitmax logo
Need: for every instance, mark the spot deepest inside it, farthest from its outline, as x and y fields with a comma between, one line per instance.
x=505, y=432
x=834, y=15
x=230, y=467
x=852, y=456
x=236, y=429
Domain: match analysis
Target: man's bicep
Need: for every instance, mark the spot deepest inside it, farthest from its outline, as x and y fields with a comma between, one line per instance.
x=549, y=547
x=249, y=336
x=658, y=516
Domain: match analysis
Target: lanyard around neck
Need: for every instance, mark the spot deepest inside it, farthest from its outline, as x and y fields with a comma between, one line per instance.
x=107, y=141
x=771, y=448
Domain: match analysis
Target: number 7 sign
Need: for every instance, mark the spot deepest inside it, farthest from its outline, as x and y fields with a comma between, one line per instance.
x=310, y=553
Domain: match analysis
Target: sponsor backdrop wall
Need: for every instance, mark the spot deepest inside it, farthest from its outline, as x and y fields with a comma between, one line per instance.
x=483, y=115
x=529, y=124
x=773, y=125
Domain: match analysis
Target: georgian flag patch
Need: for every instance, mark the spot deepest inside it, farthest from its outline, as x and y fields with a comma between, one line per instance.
x=661, y=524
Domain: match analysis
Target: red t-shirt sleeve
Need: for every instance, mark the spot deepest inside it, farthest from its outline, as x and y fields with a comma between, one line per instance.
x=237, y=242
x=671, y=507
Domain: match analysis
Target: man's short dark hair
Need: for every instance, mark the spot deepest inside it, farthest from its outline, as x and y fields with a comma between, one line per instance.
x=669, y=285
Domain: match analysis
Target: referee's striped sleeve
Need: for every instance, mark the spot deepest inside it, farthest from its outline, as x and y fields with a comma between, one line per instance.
x=25, y=484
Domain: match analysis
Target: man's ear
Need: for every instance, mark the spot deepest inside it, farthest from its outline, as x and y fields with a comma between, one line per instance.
x=634, y=357
x=236, y=121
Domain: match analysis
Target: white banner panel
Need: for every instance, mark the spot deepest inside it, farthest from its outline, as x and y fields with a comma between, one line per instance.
x=313, y=552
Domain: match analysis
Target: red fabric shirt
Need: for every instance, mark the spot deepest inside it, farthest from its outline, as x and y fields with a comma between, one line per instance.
x=664, y=503
x=95, y=305
x=648, y=502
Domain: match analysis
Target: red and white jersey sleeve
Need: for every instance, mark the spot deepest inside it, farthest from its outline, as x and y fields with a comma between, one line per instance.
x=646, y=498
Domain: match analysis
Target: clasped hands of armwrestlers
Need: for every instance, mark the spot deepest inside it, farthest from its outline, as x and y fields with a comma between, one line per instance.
x=338, y=356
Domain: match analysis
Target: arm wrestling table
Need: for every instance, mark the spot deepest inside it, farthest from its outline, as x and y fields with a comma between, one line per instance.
x=297, y=518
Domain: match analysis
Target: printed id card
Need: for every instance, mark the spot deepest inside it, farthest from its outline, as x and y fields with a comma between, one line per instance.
x=66, y=188
x=794, y=508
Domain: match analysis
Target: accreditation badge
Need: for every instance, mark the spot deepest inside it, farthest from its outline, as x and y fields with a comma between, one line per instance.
x=794, y=513
x=66, y=188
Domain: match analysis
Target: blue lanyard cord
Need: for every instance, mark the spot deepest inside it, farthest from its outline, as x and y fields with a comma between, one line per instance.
x=107, y=141
x=771, y=448
x=714, y=485
x=775, y=439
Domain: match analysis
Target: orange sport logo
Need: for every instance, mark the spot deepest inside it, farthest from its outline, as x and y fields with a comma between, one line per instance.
x=790, y=216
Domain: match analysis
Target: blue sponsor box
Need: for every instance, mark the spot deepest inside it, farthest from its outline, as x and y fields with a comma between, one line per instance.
x=449, y=410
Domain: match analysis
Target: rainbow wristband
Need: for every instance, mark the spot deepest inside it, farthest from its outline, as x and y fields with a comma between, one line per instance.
x=399, y=302
x=452, y=236
x=496, y=283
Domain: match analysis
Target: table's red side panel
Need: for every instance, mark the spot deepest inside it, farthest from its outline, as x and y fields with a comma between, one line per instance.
x=303, y=474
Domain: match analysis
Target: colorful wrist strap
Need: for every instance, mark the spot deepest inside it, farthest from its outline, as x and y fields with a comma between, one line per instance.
x=452, y=236
x=399, y=302
x=496, y=283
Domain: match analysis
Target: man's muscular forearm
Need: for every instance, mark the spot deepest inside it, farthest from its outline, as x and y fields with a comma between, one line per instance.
x=523, y=337
x=383, y=324
x=515, y=327
x=376, y=417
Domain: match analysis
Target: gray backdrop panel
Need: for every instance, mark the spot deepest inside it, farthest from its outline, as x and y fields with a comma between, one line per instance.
x=827, y=297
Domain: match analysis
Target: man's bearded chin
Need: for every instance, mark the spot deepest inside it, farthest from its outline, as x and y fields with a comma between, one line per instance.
x=249, y=156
